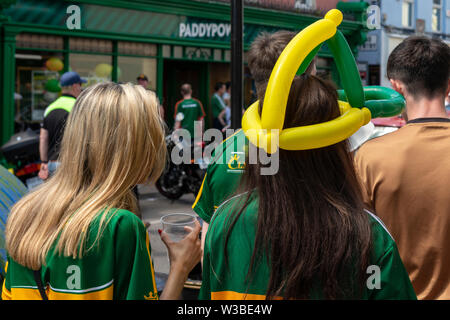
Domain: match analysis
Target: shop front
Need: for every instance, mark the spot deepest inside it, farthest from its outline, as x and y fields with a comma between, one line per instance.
x=172, y=42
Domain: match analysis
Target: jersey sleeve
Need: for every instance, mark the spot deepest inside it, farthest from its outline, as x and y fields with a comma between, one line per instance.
x=205, y=290
x=6, y=287
x=201, y=111
x=134, y=277
x=394, y=280
x=204, y=203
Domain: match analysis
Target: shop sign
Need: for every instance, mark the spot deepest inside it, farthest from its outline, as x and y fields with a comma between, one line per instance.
x=204, y=30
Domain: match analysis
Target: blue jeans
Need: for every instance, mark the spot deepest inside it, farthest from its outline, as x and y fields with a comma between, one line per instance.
x=52, y=166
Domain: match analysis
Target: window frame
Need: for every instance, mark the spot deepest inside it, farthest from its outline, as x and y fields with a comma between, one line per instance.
x=439, y=7
x=411, y=22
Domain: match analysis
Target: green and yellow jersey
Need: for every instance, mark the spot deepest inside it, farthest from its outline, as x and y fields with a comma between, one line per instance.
x=192, y=110
x=118, y=266
x=222, y=176
x=230, y=281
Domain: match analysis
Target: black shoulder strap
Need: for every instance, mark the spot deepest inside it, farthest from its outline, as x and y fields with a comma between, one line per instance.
x=37, y=278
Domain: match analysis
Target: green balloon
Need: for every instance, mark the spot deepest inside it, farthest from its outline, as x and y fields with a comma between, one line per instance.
x=348, y=70
x=52, y=85
x=381, y=101
x=305, y=64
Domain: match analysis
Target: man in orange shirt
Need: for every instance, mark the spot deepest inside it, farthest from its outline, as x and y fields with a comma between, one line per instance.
x=406, y=174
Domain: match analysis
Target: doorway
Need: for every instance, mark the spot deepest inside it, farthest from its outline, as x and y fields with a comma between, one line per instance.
x=176, y=73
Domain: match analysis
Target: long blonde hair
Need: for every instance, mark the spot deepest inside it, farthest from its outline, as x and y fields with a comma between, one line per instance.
x=113, y=140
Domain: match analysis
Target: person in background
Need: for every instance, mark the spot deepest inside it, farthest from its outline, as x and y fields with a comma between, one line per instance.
x=447, y=103
x=78, y=236
x=226, y=167
x=227, y=99
x=188, y=111
x=406, y=174
x=218, y=106
x=302, y=233
x=142, y=80
x=52, y=127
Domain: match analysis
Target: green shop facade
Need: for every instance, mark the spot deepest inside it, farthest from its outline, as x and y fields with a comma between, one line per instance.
x=170, y=41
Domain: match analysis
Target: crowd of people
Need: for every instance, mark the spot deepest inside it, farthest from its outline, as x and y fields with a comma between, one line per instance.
x=330, y=224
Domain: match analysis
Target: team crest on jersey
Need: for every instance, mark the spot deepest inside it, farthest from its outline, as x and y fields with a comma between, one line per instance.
x=236, y=162
x=151, y=296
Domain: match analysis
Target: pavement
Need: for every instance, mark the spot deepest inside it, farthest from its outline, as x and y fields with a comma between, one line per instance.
x=153, y=206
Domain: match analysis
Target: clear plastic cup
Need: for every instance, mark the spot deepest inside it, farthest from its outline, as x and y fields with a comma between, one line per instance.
x=173, y=224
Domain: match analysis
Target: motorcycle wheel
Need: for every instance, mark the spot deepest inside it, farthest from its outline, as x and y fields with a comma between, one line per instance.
x=170, y=193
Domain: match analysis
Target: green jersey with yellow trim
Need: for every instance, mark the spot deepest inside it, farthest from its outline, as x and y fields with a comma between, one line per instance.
x=222, y=176
x=223, y=281
x=117, y=266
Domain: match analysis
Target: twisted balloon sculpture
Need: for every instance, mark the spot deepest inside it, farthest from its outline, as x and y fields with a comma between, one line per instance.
x=266, y=131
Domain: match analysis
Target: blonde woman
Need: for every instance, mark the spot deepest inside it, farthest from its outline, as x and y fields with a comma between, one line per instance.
x=76, y=237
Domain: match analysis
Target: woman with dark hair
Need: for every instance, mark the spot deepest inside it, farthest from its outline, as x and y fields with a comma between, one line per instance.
x=302, y=233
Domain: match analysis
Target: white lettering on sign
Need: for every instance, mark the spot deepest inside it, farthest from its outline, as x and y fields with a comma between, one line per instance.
x=204, y=30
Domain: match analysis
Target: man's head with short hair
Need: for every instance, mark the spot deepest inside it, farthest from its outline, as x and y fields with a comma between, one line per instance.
x=264, y=53
x=220, y=88
x=228, y=85
x=186, y=89
x=422, y=66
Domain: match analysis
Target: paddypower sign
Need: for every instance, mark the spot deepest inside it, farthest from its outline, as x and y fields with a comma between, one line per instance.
x=204, y=30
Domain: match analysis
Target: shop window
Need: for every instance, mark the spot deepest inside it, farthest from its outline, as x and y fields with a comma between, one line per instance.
x=166, y=51
x=217, y=54
x=90, y=45
x=93, y=68
x=37, y=83
x=38, y=41
x=178, y=52
x=131, y=67
x=136, y=48
x=227, y=55
x=198, y=53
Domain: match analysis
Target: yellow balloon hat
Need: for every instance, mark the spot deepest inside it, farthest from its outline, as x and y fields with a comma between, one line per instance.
x=266, y=131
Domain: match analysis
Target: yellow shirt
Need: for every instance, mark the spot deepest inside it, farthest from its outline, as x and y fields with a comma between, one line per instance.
x=406, y=181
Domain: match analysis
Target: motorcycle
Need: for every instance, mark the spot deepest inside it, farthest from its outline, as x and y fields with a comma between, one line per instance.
x=22, y=151
x=182, y=178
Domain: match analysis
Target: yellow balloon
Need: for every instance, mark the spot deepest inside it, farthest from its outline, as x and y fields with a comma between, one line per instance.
x=54, y=64
x=266, y=131
x=103, y=70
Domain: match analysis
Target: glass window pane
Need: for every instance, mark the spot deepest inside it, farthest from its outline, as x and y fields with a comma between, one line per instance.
x=407, y=13
x=37, y=83
x=136, y=48
x=227, y=55
x=93, y=68
x=28, y=40
x=217, y=54
x=131, y=67
x=90, y=45
x=436, y=19
x=166, y=51
x=178, y=52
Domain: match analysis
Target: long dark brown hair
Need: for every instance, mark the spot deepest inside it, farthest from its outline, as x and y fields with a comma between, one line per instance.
x=311, y=225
